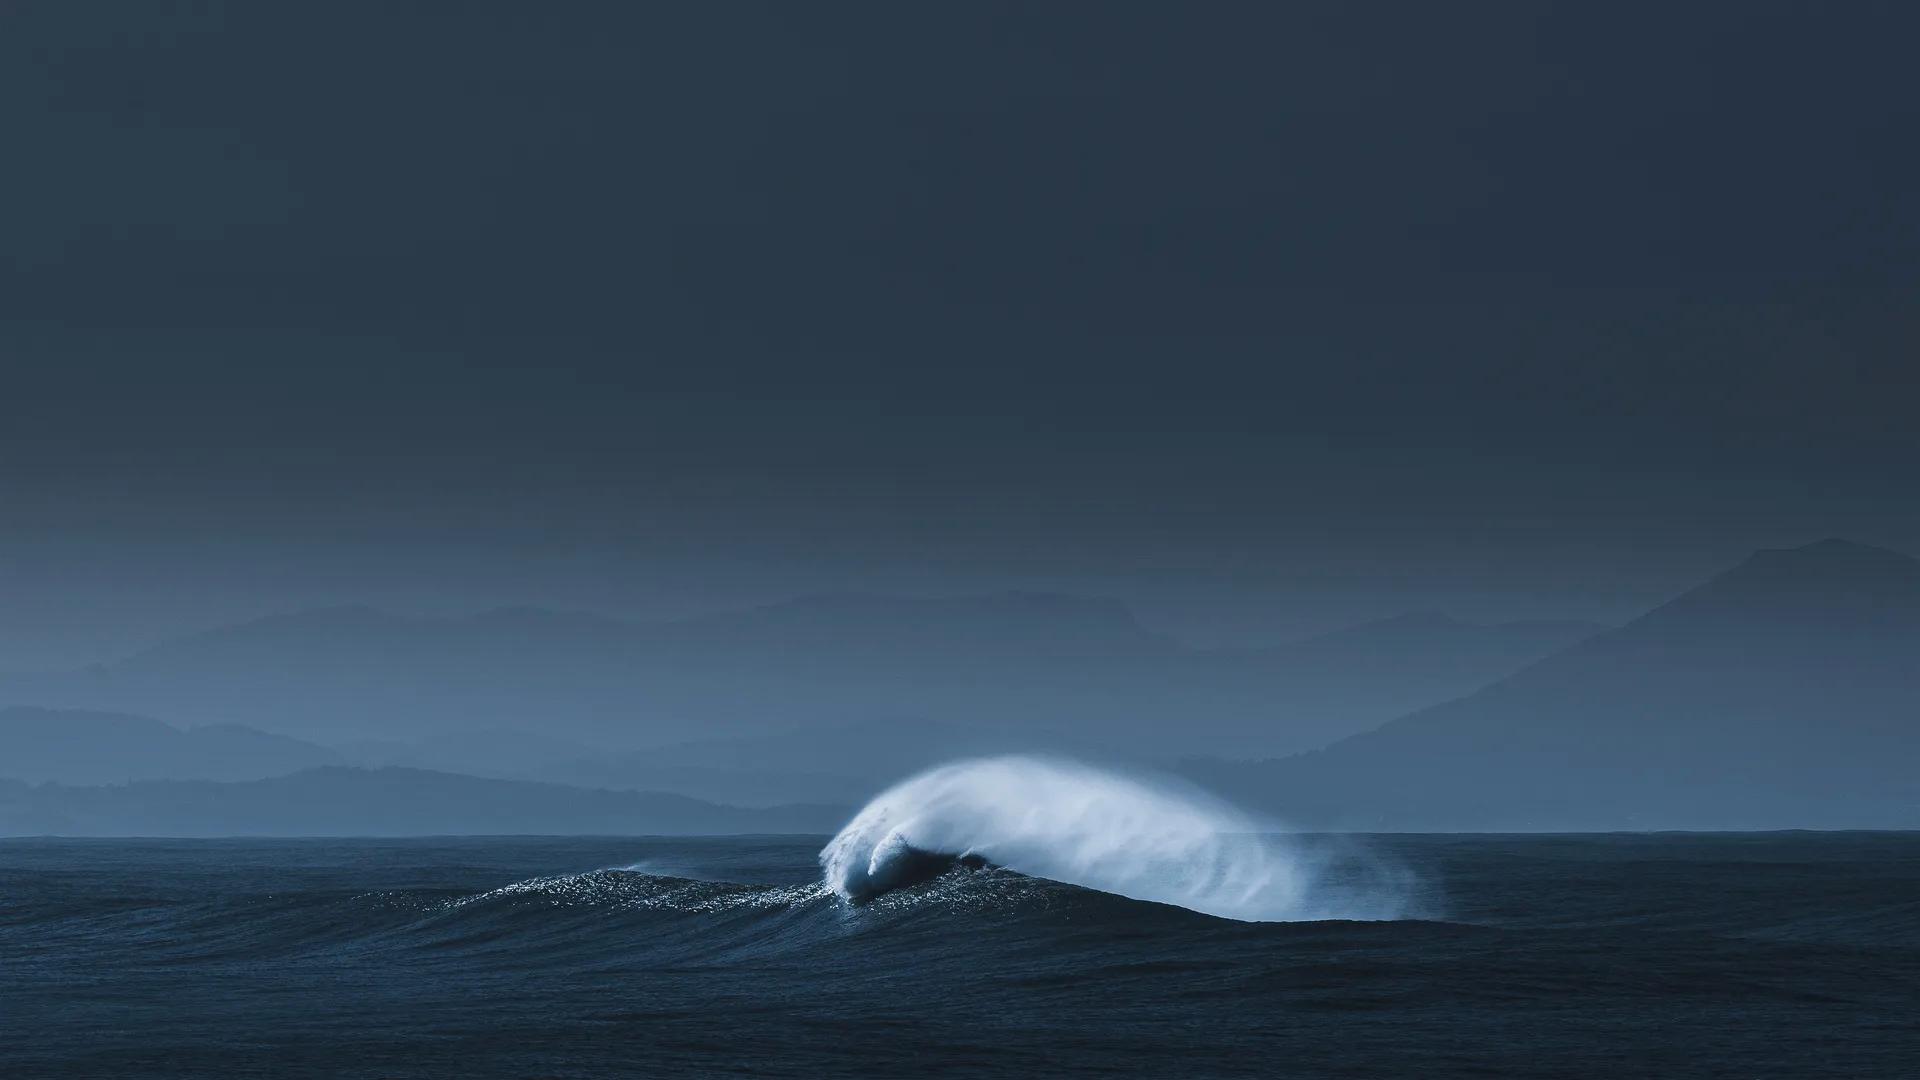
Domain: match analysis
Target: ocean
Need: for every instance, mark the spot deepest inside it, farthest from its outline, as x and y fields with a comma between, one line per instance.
x=1670, y=955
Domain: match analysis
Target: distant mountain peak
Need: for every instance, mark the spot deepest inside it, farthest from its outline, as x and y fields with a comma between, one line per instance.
x=1837, y=556
x=1837, y=570
x=1816, y=591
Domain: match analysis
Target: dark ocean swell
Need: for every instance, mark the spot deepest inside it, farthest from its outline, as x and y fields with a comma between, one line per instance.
x=1586, y=956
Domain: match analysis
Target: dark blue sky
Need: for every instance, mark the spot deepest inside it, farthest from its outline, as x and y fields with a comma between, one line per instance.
x=1265, y=315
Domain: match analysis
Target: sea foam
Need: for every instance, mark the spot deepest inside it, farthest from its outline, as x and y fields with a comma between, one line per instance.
x=1086, y=826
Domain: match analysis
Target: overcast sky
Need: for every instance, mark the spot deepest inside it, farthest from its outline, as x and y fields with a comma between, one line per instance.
x=1264, y=316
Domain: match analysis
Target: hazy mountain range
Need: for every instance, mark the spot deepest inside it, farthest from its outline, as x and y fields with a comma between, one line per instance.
x=79, y=747
x=1782, y=693
x=1049, y=665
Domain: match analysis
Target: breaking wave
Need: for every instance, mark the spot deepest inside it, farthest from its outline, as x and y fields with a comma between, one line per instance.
x=1097, y=829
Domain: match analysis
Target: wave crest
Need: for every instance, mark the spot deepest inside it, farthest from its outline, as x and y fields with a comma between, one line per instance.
x=1081, y=825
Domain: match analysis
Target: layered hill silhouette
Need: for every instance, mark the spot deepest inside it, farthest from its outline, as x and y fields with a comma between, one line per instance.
x=338, y=801
x=80, y=747
x=1020, y=663
x=855, y=761
x=1784, y=693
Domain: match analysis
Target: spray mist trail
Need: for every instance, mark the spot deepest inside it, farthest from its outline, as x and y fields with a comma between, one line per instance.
x=1084, y=826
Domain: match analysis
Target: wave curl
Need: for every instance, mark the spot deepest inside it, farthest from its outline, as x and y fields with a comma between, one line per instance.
x=1081, y=825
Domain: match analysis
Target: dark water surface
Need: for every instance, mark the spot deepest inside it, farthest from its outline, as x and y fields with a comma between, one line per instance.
x=1787, y=955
